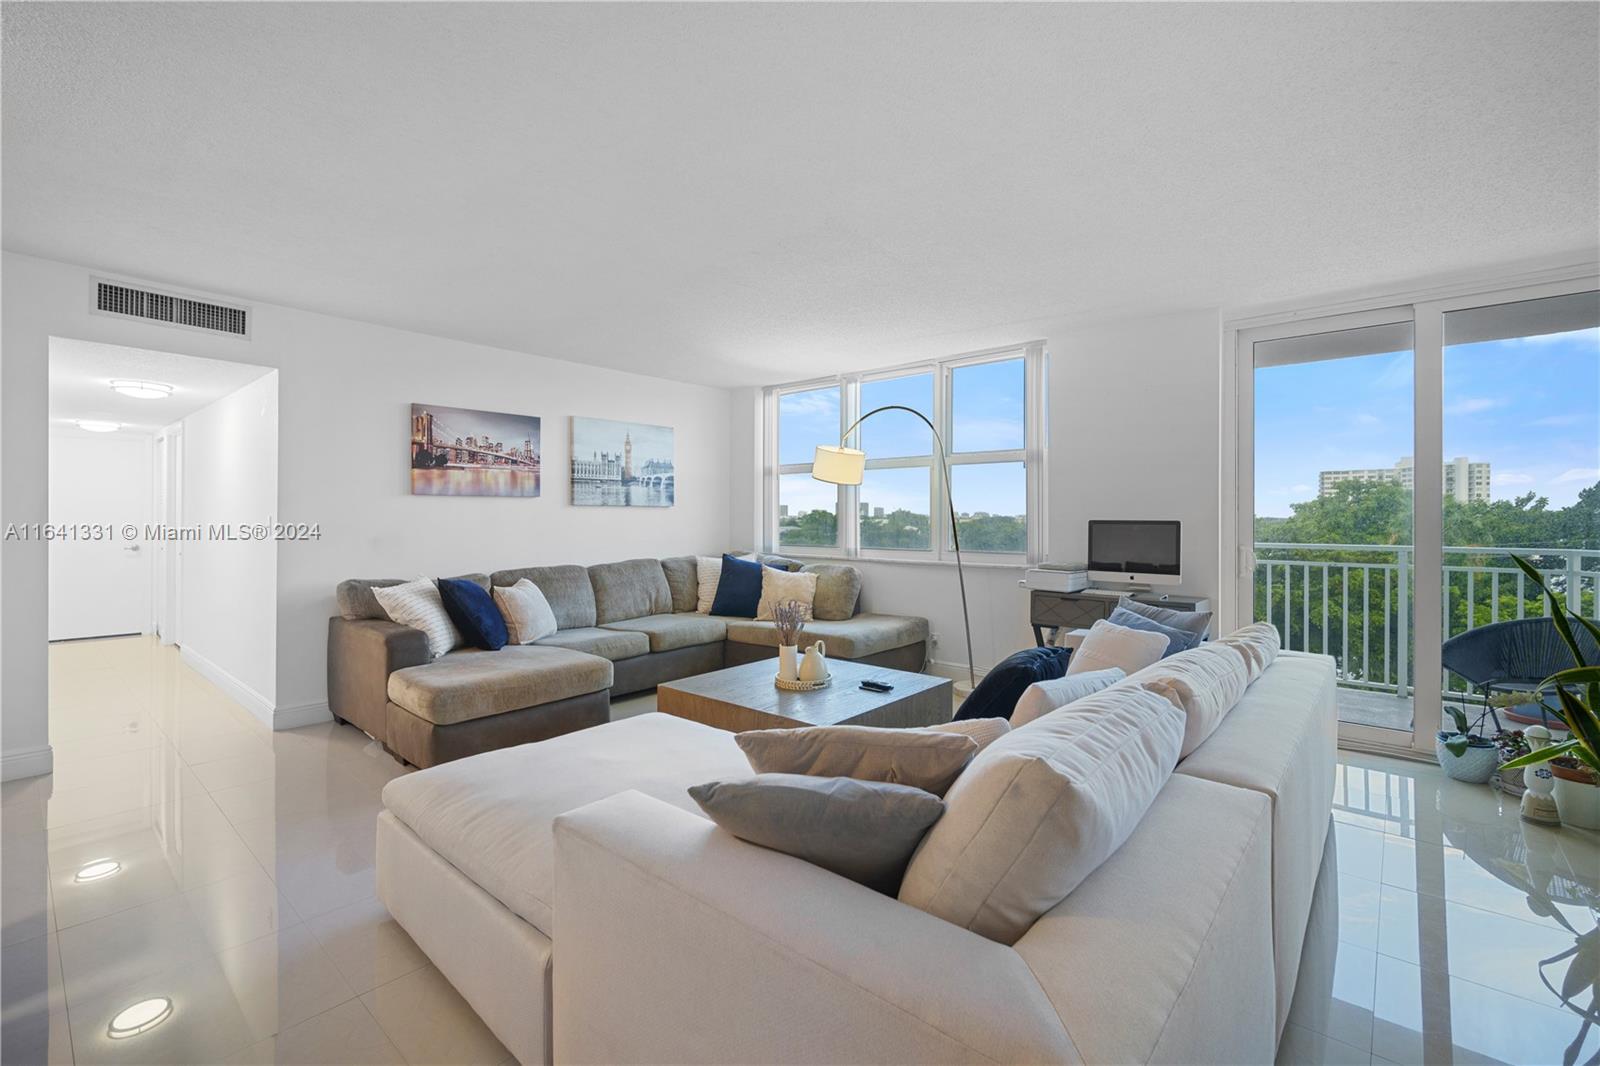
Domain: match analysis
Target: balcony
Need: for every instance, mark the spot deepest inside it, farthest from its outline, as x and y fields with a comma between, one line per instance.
x=1354, y=602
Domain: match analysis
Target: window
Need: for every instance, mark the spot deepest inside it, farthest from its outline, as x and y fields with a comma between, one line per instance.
x=989, y=412
x=808, y=510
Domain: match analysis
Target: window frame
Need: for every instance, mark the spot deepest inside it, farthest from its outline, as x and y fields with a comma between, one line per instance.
x=941, y=549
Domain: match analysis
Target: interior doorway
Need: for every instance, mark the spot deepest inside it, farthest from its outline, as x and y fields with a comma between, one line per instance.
x=152, y=456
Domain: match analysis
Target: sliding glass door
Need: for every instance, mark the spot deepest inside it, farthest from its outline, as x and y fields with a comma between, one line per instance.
x=1521, y=477
x=1333, y=508
x=1390, y=461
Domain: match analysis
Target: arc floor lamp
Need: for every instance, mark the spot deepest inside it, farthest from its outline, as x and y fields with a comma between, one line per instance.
x=846, y=466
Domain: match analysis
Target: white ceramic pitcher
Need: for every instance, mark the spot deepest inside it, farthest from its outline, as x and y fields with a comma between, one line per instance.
x=814, y=667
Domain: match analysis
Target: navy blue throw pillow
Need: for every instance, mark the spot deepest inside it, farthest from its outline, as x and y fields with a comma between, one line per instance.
x=739, y=588
x=997, y=694
x=1177, y=639
x=473, y=611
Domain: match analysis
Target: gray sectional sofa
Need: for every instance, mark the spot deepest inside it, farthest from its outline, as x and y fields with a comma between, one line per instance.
x=625, y=628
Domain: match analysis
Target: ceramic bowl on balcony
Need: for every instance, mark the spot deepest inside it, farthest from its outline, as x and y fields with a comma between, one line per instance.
x=1474, y=766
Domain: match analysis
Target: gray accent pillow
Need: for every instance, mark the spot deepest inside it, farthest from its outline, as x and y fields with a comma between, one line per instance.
x=566, y=588
x=683, y=578
x=781, y=562
x=633, y=588
x=863, y=830
x=838, y=591
x=922, y=758
x=1196, y=622
x=356, y=600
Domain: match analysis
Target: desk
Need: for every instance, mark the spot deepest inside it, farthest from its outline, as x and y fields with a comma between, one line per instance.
x=1080, y=610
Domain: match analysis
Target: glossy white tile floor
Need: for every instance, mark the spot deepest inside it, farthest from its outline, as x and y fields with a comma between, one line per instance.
x=244, y=895
x=244, y=891
x=1445, y=929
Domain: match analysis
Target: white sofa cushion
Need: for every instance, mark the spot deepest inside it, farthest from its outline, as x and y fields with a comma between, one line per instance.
x=1280, y=740
x=417, y=604
x=1258, y=642
x=984, y=731
x=1042, y=697
x=489, y=816
x=1108, y=645
x=1204, y=683
x=1040, y=808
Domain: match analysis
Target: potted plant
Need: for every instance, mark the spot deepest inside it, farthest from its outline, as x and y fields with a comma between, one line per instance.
x=1510, y=744
x=1575, y=762
x=1465, y=755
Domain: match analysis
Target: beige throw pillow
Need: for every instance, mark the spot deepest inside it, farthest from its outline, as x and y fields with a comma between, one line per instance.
x=417, y=604
x=1107, y=646
x=1041, y=808
x=782, y=586
x=921, y=758
x=708, y=573
x=527, y=613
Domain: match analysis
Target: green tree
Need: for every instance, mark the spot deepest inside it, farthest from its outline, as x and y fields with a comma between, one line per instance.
x=1360, y=587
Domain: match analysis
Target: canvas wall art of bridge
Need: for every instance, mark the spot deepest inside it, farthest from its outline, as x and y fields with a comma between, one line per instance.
x=460, y=452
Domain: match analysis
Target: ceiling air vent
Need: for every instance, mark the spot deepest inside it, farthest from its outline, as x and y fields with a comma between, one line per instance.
x=112, y=298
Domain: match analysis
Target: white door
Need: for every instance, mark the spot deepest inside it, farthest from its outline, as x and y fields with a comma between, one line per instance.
x=99, y=587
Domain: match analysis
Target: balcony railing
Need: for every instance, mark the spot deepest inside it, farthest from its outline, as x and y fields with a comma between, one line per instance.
x=1353, y=601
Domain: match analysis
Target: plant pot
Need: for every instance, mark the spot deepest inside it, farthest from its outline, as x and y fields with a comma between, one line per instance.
x=1474, y=766
x=1577, y=796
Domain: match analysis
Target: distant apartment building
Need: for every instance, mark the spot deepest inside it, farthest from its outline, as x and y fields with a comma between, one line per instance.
x=1468, y=482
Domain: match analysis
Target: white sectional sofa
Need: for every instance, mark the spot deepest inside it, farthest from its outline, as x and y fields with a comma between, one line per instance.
x=575, y=895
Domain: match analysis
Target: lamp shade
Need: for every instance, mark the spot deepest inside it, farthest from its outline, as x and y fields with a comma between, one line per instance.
x=838, y=466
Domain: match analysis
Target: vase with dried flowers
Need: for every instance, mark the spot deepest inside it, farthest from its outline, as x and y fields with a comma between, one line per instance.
x=789, y=619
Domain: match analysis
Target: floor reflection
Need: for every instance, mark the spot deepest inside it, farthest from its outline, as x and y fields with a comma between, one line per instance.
x=188, y=887
x=1446, y=930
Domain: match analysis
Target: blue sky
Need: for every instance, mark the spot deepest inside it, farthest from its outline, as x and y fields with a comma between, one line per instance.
x=988, y=416
x=1529, y=406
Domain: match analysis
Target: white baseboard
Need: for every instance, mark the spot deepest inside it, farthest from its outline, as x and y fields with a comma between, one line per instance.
x=30, y=762
x=304, y=714
x=956, y=672
x=237, y=690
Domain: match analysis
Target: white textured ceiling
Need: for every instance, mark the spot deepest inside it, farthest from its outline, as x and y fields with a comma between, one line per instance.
x=735, y=193
x=81, y=373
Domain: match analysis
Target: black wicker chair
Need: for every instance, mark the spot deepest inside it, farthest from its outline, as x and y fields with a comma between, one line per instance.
x=1515, y=657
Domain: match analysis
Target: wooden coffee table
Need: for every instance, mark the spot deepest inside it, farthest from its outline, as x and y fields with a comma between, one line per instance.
x=744, y=697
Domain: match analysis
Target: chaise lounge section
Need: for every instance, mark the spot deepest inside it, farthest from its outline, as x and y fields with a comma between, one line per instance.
x=551, y=882
x=625, y=627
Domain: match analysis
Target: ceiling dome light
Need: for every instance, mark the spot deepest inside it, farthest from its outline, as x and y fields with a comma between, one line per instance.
x=94, y=425
x=142, y=1017
x=142, y=390
x=97, y=870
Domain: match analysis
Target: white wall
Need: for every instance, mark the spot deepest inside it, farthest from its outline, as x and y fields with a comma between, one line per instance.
x=344, y=393
x=1134, y=411
x=229, y=613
